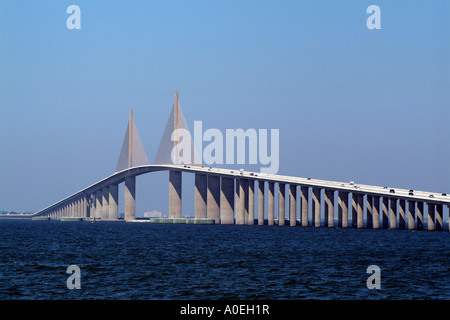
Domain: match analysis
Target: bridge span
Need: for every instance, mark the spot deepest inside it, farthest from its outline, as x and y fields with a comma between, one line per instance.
x=229, y=197
x=238, y=197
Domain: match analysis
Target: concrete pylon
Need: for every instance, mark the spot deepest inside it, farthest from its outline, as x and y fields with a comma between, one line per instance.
x=316, y=207
x=281, y=204
x=213, y=198
x=376, y=212
x=329, y=208
x=304, y=197
x=227, y=201
x=360, y=213
x=132, y=153
x=342, y=209
x=419, y=215
x=260, y=202
x=270, y=204
x=401, y=214
x=113, y=204
x=411, y=215
x=385, y=214
x=174, y=194
x=105, y=204
x=98, y=204
x=431, y=216
x=130, y=198
x=393, y=214
x=201, y=192
x=292, y=205
x=439, y=214
x=251, y=202
x=369, y=214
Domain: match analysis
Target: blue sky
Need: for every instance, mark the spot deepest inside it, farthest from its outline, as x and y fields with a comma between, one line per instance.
x=371, y=106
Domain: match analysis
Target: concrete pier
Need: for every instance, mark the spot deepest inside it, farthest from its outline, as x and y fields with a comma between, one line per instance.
x=113, y=205
x=411, y=215
x=242, y=201
x=270, y=204
x=376, y=212
x=419, y=215
x=281, y=204
x=105, y=204
x=292, y=205
x=385, y=214
x=251, y=202
x=342, y=209
x=174, y=194
x=200, y=196
x=213, y=199
x=316, y=207
x=369, y=211
x=260, y=203
x=130, y=198
x=393, y=214
x=360, y=213
x=431, y=215
x=439, y=221
x=304, y=193
x=401, y=214
x=354, y=210
x=329, y=208
x=227, y=201
x=98, y=205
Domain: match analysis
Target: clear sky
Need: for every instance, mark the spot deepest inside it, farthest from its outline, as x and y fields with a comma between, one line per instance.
x=371, y=106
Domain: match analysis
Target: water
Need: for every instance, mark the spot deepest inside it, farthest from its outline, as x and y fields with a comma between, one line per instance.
x=154, y=261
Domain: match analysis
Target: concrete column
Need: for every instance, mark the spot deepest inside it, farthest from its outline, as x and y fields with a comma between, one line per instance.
x=393, y=214
x=105, y=203
x=260, y=202
x=251, y=202
x=130, y=198
x=369, y=211
x=419, y=215
x=431, y=215
x=385, y=209
x=329, y=208
x=200, y=197
x=174, y=194
x=343, y=209
x=304, y=193
x=227, y=201
x=411, y=214
x=354, y=210
x=439, y=215
x=401, y=213
x=281, y=204
x=113, y=206
x=213, y=198
x=270, y=204
x=83, y=207
x=316, y=207
x=360, y=211
x=98, y=204
x=292, y=205
x=376, y=212
x=242, y=201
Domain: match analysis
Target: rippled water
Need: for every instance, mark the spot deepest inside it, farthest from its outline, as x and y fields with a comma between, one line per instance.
x=154, y=261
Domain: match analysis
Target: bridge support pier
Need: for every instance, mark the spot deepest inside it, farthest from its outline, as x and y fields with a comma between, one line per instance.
x=292, y=205
x=201, y=194
x=98, y=204
x=113, y=206
x=360, y=211
x=329, y=208
x=385, y=217
x=411, y=215
x=213, y=199
x=174, y=194
x=393, y=214
x=369, y=211
x=227, y=201
x=420, y=215
x=130, y=198
x=401, y=213
x=304, y=194
x=316, y=207
x=439, y=214
x=270, y=204
x=431, y=215
x=242, y=201
x=105, y=204
x=343, y=209
x=281, y=204
x=251, y=202
x=260, y=203
x=376, y=212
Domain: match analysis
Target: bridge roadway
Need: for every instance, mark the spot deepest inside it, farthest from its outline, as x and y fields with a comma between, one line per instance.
x=228, y=197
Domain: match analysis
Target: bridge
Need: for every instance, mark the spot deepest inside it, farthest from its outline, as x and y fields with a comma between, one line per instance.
x=228, y=196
